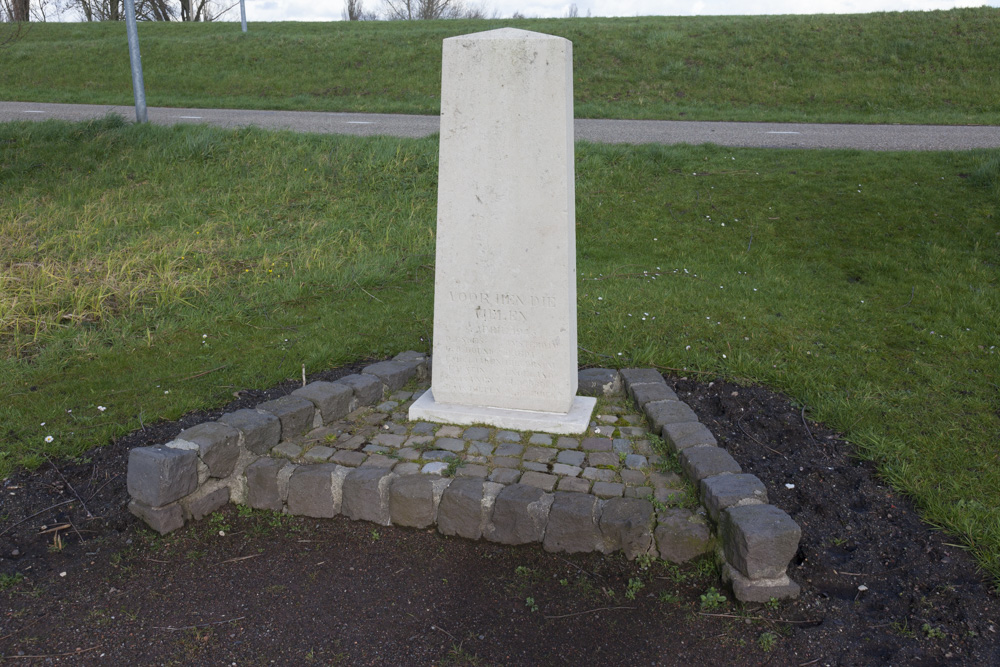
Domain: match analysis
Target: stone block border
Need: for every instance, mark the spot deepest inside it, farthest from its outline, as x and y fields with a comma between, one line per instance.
x=345, y=448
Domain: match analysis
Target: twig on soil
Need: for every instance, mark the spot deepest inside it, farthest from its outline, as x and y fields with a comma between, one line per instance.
x=683, y=370
x=434, y=627
x=200, y=625
x=52, y=655
x=739, y=423
x=27, y=518
x=761, y=618
x=91, y=496
x=811, y=662
x=233, y=560
x=913, y=291
x=589, y=611
x=592, y=574
x=11, y=634
x=596, y=354
x=367, y=292
x=808, y=430
x=66, y=482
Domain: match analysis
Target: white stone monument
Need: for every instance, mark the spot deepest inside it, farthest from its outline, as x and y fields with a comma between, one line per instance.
x=505, y=284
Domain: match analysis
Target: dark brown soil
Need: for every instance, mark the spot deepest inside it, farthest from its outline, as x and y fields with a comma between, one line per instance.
x=879, y=586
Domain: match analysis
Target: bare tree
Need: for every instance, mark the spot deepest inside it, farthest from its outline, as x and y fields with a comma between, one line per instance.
x=15, y=11
x=354, y=10
x=413, y=10
x=573, y=12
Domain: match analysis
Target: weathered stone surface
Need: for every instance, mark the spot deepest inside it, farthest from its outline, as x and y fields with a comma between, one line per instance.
x=541, y=480
x=287, y=450
x=262, y=484
x=348, y=458
x=573, y=524
x=574, y=485
x=434, y=468
x=596, y=445
x=759, y=540
x=379, y=461
x=509, y=449
x=368, y=389
x=646, y=393
x=450, y=444
x=393, y=374
x=602, y=459
x=461, y=509
x=636, y=462
x=319, y=454
x=627, y=524
x=540, y=454
x=161, y=519
x=520, y=514
x=331, y=399
x=199, y=505
x=159, y=475
x=310, y=491
x=571, y=457
x=294, y=412
x=660, y=413
x=682, y=535
x=366, y=495
x=599, y=382
x=218, y=446
x=505, y=475
x=476, y=433
x=632, y=376
x=759, y=590
x=411, y=500
x=599, y=474
x=722, y=491
x=566, y=470
x=702, y=462
x=472, y=470
x=568, y=443
x=682, y=435
x=260, y=430
x=608, y=489
x=541, y=439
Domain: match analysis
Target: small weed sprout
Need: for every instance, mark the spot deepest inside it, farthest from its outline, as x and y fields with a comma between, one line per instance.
x=931, y=632
x=635, y=584
x=523, y=571
x=529, y=602
x=772, y=604
x=375, y=535
x=712, y=599
x=766, y=641
x=666, y=597
x=453, y=466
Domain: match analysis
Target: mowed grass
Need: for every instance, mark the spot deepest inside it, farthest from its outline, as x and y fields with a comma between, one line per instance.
x=151, y=271
x=903, y=67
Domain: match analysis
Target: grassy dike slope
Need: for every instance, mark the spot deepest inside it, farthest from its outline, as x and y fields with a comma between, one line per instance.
x=910, y=67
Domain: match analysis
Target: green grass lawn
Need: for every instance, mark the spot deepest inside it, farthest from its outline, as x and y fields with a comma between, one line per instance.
x=908, y=67
x=150, y=271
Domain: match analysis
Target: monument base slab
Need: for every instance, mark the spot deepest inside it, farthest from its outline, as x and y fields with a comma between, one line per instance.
x=575, y=422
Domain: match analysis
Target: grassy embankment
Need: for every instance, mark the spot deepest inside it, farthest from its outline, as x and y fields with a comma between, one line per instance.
x=910, y=67
x=151, y=271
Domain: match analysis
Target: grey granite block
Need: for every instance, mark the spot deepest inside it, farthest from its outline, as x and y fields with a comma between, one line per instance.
x=540, y=480
x=660, y=413
x=599, y=474
x=682, y=535
x=439, y=455
x=349, y=458
x=608, y=489
x=368, y=389
x=535, y=466
x=568, y=443
x=759, y=590
x=161, y=519
x=573, y=524
x=520, y=514
x=204, y=501
x=218, y=446
x=450, y=444
x=505, y=475
x=687, y=434
x=294, y=412
x=423, y=428
x=596, y=445
x=263, y=492
x=288, y=450
x=627, y=524
x=311, y=491
x=508, y=449
x=472, y=470
x=633, y=477
x=632, y=376
x=393, y=374
x=366, y=495
x=160, y=475
x=541, y=439
x=636, y=462
x=260, y=430
x=571, y=458
x=638, y=491
x=480, y=448
x=319, y=454
x=646, y=393
x=566, y=470
x=722, y=491
x=598, y=459
x=574, y=485
x=411, y=500
x=331, y=399
x=389, y=440
x=461, y=509
x=539, y=454
x=702, y=462
x=759, y=540
x=599, y=382
x=476, y=433
x=508, y=436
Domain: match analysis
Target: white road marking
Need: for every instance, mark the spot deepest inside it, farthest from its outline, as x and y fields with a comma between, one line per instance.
x=191, y=117
x=784, y=133
x=359, y=122
x=32, y=111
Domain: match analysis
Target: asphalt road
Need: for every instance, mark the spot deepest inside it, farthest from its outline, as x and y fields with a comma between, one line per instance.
x=753, y=135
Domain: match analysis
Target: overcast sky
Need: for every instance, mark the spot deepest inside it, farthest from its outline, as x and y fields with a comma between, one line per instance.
x=330, y=10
